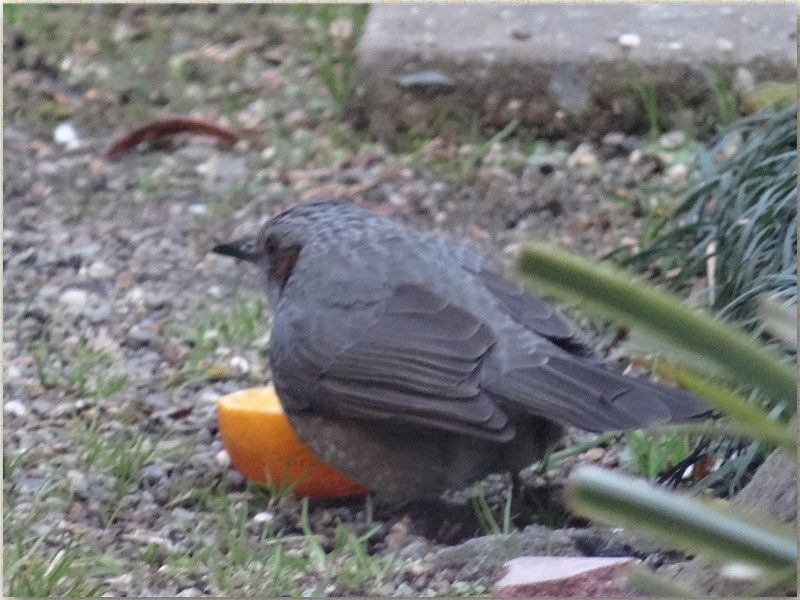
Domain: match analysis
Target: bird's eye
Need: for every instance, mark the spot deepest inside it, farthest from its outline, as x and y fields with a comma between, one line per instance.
x=270, y=246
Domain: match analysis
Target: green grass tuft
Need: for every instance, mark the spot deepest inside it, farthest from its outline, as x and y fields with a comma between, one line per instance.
x=653, y=453
x=736, y=227
x=331, y=33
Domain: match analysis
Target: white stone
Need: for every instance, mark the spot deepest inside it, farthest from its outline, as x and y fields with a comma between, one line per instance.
x=677, y=173
x=725, y=45
x=135, y=296
x=268, y=154
x=629, y=40
x=208, y=396
x=15, y=408
x=66, y=135
x=222, y=459
x=99, y=270
x=672, y=140
x=563, y=576
x=263, y=517
x=74, y=301
x=189, y=593
x=583, y=156
x=197, y=209
x=240, y=364
x=13, y=372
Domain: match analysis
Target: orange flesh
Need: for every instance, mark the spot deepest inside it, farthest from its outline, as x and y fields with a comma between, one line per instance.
x=260, y=440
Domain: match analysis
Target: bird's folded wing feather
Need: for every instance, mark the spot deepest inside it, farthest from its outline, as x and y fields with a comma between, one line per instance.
x=419, y=362
x=573, y=387
x=534, y=313
x=574, y=391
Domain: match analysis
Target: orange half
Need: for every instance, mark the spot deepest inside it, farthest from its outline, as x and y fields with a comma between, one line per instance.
x=263, y=447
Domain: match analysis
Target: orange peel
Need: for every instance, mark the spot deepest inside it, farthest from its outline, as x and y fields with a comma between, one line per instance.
x=264, y=448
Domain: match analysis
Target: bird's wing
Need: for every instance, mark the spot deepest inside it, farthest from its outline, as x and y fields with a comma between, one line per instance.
x=533, y=313
x=418, y=361
x=575, y=391
x=573, y=387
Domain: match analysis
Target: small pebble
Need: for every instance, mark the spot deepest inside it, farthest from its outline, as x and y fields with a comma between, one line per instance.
x=677, y=174
x=268, y=154
x=99, y=314
x=263, y=517
x=413, y=551
x=139, y=336
x=15, y=408
x=297, y=118
x=582, y=156
x=614, y=139
x=629, y=40
x=152, y=474
x=135, y=296
x=404, y=590
x=594, y=454
x=78, y=482
x=74, y=301
x=13, y=373
x=99, y=270
x=208, y=395
x=341, y=28
x=240, y=364
x=520, y=33
x=66, y=135
x=189, y=593
x=123, y=581
x=744, y=80
x=223, y=460
x=387, y=589
x=672, y=140
x=725, y=45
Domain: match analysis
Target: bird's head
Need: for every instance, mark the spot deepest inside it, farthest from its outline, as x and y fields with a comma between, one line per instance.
x=314, y=232
x=274, y=250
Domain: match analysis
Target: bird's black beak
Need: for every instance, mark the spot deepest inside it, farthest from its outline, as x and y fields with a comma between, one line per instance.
x=241, y=249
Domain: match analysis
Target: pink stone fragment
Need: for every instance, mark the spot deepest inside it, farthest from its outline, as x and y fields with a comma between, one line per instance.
x=565, y=576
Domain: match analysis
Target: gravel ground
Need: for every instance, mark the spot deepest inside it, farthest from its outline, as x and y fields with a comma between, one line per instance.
x=121, y=330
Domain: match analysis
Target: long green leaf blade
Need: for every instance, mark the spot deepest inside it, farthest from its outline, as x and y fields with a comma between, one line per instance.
x=750, y=418
x=678, y=520
x=613, y=294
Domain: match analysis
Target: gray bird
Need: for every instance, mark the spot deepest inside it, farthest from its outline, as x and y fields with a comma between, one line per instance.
x=407, y=362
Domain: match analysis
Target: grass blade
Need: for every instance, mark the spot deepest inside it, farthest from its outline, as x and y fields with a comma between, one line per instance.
x=678, y=520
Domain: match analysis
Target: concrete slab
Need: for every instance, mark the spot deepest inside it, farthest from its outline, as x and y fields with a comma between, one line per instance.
x=563, y=67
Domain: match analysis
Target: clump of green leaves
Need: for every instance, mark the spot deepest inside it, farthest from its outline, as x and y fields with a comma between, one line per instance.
x=30, y=574
x=720, y=357
x=736, y=227
x=653, y=454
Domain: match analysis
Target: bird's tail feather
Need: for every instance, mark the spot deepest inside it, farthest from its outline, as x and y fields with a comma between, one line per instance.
x=592, y=397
